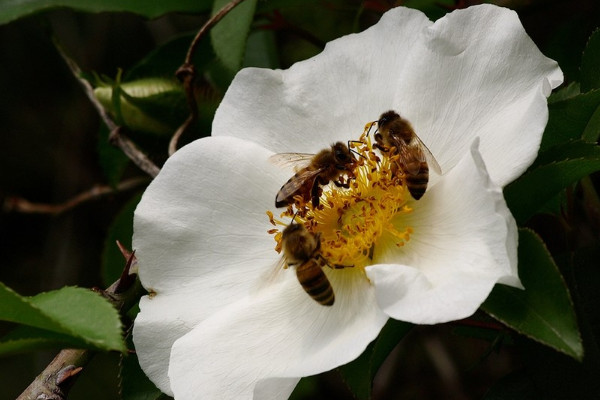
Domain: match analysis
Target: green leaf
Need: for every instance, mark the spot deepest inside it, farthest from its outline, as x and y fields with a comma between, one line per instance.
x=142, y=104
x=112, y=159
x=11, y=10
x=261, y=50
x=168, y=57
x=229, y=35
x=544, y=310
x=121, y=229
x=76, y=312
x=359, y=374
x=135, y=385
x=567, y=151
x=26, y=339
x=590, y=63
x=569, y=119
x=565, y=92
x=531, y=191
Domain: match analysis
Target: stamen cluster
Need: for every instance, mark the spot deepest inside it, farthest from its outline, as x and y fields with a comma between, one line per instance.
x=351, y=221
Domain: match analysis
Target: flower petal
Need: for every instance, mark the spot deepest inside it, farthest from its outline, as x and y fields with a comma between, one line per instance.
x=276, y=334
x=474, y=72
x=327, y=98
x=464, y=241
x=201, y=240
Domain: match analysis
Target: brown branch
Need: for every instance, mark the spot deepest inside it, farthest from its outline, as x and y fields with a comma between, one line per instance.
x=17, y=204
x=207, y=26
x=187, y=73
x=117, y=138
x=136, y=155
x=57, y=378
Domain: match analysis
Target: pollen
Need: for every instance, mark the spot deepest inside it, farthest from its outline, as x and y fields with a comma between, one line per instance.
x=352, y=221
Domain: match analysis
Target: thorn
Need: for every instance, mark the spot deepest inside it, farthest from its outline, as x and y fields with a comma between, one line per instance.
x=66, y=373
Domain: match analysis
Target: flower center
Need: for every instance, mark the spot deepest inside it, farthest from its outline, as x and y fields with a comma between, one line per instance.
x=350, y=221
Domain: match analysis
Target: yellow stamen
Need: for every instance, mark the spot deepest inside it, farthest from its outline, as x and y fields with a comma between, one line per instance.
x=352, y=221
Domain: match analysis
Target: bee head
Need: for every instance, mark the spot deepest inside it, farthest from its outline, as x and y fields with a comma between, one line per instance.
x=387, y=117
x=342, y=155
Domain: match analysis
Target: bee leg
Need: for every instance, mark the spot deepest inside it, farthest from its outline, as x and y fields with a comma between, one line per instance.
x=314, y=192
x=342, y=184
x=378, y=142
x=340, y=266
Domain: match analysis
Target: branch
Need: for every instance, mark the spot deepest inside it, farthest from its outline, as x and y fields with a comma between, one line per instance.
x=59, y=376
x=187, y=73
x=117, y=138
x=18, y=204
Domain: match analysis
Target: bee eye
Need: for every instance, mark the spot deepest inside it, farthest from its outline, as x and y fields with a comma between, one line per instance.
x=340, y=155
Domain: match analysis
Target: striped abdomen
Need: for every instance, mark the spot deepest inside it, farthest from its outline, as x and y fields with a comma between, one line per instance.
x=417, y=183
x=315, y=282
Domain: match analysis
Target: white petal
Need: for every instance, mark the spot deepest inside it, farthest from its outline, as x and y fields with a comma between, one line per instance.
x=201, y=240
x=327, y=98
x=277, y=334
x=464, y=241
x=476, y=72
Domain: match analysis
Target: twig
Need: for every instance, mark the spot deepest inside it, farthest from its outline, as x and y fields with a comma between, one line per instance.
x=187, y=73
x=17, y=204
x=209, y=24
x=57, y=378
x=117, y=137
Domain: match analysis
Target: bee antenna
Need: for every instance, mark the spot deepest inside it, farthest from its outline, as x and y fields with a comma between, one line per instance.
x=370, y=127
x=294, y=217
x=354, y=151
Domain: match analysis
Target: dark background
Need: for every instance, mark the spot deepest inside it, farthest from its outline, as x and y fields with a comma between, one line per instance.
x=49, y=137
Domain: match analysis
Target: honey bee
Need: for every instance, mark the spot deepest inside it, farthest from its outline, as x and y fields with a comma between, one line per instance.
x=414, y=158
x=302, y=249
x=319, y=169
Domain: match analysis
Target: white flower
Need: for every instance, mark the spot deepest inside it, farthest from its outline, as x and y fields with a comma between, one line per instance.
x=474, y=87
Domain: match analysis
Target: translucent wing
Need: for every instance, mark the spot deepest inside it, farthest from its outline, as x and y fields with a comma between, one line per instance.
x=296, y=160
x=303, y=180
x=431, y=161
x=272, y=275
x=411, y=156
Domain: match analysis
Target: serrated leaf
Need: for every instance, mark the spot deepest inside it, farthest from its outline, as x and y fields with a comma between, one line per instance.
x=121, y=229
x=531, y=191
x=11, y=10
x=569, y=119
x=229, y=36
x=567, y=151
x=590, y=63
x=591, y=133
x=544, y=310
x=565, y=93
x=76, y=312
x=359, y=374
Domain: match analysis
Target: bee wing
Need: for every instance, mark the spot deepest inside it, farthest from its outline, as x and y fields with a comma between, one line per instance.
x=296, y=160
x=272, y=275
x=411, y=156
x=431, y=161
x=292, y=186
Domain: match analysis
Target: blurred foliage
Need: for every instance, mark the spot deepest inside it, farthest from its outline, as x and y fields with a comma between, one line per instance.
x=54, y=147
